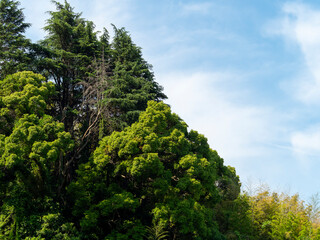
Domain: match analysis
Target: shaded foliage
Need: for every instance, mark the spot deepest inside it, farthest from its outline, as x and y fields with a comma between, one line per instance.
x=132, y=82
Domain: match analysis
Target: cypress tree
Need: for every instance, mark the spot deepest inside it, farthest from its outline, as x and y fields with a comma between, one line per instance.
x=13, y=44
x=133, y=83
x=72, y=44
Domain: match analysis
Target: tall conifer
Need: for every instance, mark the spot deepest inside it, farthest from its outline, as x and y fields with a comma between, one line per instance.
x=72, y=42
x=13, y=44
x=133, y=83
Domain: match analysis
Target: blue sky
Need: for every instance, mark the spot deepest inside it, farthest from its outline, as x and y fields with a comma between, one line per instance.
x=246, y=74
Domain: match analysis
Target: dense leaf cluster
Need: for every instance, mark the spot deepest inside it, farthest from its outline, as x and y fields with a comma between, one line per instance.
x=281, y=216
x=154, y=171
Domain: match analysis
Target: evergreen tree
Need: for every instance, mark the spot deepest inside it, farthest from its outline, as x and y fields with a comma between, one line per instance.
x=101, y=87
x=132, y=83
x=13, y=44
x=153, y=172
x=72, y=44
x=71, y=48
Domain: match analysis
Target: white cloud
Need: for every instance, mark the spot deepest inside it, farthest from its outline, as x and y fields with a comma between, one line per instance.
x=300, y=25
x=235, y=131
x=196, y=8
x=306, y=144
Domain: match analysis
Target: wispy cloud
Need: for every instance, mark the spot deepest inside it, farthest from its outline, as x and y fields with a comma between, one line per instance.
x=196, y=8
x=300, y=26
x=306, y=144
x=236, y=131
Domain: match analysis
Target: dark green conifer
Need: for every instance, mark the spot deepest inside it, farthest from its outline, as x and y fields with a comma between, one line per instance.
x=13, y=44
x=72, y=44
x=133, y=83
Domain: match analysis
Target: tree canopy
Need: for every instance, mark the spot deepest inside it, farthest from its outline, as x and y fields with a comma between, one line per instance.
x=32, y=151
x=154, y=171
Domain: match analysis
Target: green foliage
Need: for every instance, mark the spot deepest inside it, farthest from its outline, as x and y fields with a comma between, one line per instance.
x=54, y=227
x=101, y=87
x=32, y=147
x=132, y=82
x=280, y=216
x=234, y=218
x=13, y=44
x=30, y=169
x=263, y=207
x=71, y=44
x=156, y=232
x=290, y=220
x=22, y=93
x=154, y=170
